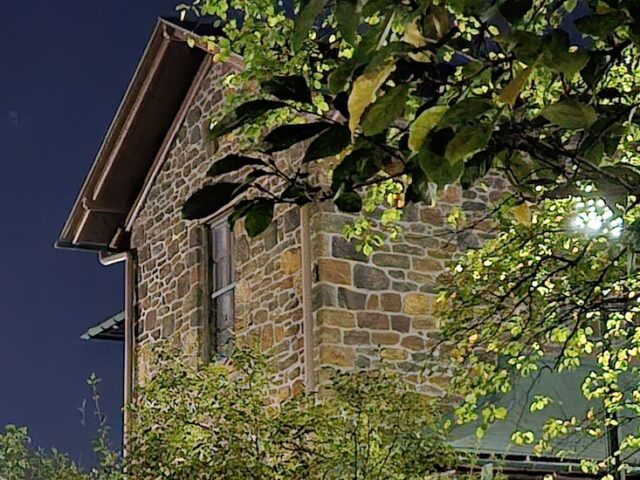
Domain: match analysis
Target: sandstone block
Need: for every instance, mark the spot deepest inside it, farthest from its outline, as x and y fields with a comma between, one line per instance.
x=351, y=300
x=341, y=248
x=329, y=335
x=336, y=318
x=395, y=354
x=266, y=337
x=391, y=302
x=391, y=260
x=400, y=323
x=373, y=303
x=337, y=356
x=413, y=342
x=334, y=271
x=427, y=264
x=418, y=304
x=373, y=320
x=426, y=323
x=291, y=261
x=370, y=278
x=357, y=337
x=385, y=338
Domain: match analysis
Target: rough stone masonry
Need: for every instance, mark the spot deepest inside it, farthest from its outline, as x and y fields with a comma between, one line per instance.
x=365, y=310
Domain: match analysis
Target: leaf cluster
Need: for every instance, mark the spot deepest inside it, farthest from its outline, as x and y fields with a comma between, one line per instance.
x=550, y=295
x=442, y=92
x=223, y=420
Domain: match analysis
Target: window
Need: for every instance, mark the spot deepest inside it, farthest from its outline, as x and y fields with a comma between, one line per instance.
x=221, y=284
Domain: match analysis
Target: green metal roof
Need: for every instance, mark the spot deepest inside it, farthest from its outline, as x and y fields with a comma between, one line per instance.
x=565, y=389
x=110, y=329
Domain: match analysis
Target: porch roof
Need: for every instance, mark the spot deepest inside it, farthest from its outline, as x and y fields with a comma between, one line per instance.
x=110, y=329
x=564, y=388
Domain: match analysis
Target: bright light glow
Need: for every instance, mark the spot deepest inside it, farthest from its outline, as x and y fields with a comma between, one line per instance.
x=594, y=217
x=594, y=224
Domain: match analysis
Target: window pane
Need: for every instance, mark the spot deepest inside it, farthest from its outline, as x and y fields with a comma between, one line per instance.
x=221, y=321
x=224, y=318
x=223, y=275
x=220, y=237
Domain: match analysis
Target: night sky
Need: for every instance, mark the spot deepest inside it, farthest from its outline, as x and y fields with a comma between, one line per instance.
x=66, y=67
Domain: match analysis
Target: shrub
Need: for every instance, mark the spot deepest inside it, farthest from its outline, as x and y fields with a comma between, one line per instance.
x=222, y=421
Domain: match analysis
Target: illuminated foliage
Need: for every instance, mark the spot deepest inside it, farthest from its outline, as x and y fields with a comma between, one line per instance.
x=433, y=92
x=222, y=421
x=564, y=288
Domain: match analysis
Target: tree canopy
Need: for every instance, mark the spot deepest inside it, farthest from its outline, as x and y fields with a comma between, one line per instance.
x=427, y=94
x=407, y=97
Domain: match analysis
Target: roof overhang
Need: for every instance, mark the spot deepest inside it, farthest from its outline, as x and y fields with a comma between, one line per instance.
x=154, y=97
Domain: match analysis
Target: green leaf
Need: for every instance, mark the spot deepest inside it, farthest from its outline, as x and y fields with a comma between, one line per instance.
x=232, y=163
x=528, y=46
x=467, y=141
x=371, y=40
x=520, y=166
x=385, y=110
x=210, y=199
x=438, y=22
x=387, y=53
x=420, y=189
x=558, y=56
x=349, y=202
x=329, y=143
x=422, y=125
x=514, y=10
x=438, y=169
x=240, y=210
x=288, y=88
x=475, y=168
x=510, y=92
x=468, y=110
x=592, y=70
x=600, y=25
x=348, y=19
x=357, y=167
x=364, y=90
x=243, y=114
x=469, y=7
x=309, y=11
x=372, y=7
x=522, y=214
x=339, y=78
x=259, y=217
x=282, y=138
x=570, y=114
x=594, y=153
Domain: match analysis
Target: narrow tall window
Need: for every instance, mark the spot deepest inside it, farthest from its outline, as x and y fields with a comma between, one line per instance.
x=222, y=283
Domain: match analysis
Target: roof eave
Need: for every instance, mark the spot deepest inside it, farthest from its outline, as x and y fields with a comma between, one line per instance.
x=104, y=212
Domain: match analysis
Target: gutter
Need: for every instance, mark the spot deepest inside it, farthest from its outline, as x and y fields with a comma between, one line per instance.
x=129, y=332
x=84, y=247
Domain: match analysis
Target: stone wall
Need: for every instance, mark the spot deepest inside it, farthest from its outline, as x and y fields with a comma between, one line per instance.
x=369, y=310
x=172, y=297
x=364, y=309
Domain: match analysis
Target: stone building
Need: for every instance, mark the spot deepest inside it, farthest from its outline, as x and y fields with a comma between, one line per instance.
x=299, y=291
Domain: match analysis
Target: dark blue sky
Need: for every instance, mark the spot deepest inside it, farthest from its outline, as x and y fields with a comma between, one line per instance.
x=66, y=66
